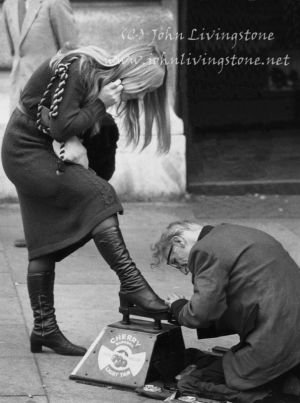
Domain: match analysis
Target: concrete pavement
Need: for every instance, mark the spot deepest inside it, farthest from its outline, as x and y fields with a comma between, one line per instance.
x=87, y=291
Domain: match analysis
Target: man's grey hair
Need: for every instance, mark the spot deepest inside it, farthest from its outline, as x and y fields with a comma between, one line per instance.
x=161, y=248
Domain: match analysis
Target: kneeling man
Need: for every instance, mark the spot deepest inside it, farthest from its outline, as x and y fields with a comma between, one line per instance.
x=245, y=283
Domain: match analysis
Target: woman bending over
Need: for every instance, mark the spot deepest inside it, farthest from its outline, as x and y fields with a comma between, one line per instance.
x=51, y=135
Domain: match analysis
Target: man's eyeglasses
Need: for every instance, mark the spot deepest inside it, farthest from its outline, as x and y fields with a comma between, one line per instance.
x=183, y=268
x=169, y=258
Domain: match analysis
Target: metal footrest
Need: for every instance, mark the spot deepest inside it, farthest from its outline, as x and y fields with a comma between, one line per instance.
x=137, y=311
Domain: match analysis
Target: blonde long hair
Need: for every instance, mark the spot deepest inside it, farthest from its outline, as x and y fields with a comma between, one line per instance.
x=140, y=68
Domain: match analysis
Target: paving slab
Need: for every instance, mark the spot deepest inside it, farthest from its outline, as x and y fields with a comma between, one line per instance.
x=19, y=376
x=98, y=395
x=23, y=399
x=14, y=341
x=7, y=288
x=61, y=389
x=10, y=311
x=3, y=262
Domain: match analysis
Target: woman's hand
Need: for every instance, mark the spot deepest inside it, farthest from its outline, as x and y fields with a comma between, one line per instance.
x=71, y=151
x=110, y=93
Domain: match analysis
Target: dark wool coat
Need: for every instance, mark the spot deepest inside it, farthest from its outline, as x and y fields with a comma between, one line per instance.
x=246, y=283
x=60, y=211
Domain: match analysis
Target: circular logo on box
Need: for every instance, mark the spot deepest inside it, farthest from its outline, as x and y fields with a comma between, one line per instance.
x=121, y=361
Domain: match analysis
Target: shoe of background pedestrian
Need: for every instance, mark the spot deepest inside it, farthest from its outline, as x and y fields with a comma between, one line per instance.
x=20, y=243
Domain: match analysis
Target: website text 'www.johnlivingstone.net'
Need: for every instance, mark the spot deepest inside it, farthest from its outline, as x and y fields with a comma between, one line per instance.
x=237, y=41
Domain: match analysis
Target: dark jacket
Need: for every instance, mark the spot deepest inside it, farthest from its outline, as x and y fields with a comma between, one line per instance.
x=101, y=148
x=246, y=283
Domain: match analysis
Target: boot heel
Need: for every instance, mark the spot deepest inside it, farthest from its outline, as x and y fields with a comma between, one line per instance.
x=124, y=303
x=36, y=347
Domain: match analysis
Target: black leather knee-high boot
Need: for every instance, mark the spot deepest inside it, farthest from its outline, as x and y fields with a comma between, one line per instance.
x=134, y=288
x=46, y=331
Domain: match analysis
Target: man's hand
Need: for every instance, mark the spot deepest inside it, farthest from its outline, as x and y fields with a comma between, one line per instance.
x=110, y=93
x=172, y=298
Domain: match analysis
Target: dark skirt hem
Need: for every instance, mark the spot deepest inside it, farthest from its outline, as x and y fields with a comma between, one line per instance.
x=62, y=249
